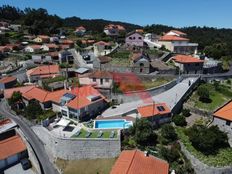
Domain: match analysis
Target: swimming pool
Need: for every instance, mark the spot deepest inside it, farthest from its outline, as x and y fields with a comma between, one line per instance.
x=112, y=124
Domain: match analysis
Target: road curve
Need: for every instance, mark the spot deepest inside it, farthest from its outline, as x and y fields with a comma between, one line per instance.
x=46, y=166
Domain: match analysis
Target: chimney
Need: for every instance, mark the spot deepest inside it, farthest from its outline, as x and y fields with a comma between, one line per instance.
x=146, y=153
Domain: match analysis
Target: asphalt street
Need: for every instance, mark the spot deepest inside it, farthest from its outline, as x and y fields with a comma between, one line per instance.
x=46, y=165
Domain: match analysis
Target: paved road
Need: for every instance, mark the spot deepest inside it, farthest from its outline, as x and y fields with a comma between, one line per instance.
x=170, y=97
x=47, y=166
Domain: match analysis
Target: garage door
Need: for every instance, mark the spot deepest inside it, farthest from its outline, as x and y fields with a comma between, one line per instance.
x=2, y=164
x=12, y=159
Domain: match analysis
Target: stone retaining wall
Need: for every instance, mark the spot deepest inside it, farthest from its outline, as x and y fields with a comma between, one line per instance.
x=201, y=168
x=79, y=148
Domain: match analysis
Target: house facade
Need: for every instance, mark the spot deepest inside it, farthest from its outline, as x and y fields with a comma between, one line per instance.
x=175, y=41
x=42, y=39
x=49, y=47
x=7, y=82
x=188, y=64
x=140, y=63
x=99, y=80
x=223, y=119
x=42, y=72
x=102, y=48
x=80, y=31
x=32, y=48
x=113, y=30
x=134, y=39
x=80, y=103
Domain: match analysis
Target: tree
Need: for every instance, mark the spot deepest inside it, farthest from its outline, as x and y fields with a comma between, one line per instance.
x=179, y=120
x=33, y=110
x=171, y=154
x=207, y=140
x=168, y=132
x=203, y=93
x=142, y=132
x=16, y=96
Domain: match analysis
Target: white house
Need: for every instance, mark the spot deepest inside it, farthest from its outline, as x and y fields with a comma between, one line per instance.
x=32, y=48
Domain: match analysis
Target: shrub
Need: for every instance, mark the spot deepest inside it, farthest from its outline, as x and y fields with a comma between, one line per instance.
x=207, y=140
x=186, y=112
x=168, y=132
x=179, y=120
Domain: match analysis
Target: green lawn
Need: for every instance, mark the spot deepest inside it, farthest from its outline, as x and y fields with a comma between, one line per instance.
x=96, y=166
x=218, y=98
x=223, y=158
x=156, y=82
x=121, y=58
x=94, y=134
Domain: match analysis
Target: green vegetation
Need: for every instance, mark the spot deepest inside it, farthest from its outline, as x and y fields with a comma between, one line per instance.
x=156, y=82
x=46, y=114
x=121, y=58
x=168, y=134
x=33, y=110
x=55, y=79
x=218, y=95
x=179, y=120
x=16, y=96
x=98, y=166
x=94, y=134
x=222, y=158
x=207, y=140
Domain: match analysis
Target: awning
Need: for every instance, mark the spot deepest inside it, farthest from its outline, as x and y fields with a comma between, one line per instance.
x=63, y=122
x=82, y=70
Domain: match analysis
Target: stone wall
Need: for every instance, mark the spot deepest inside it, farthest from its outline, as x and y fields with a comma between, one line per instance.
x=78, y=148
x=201, y=168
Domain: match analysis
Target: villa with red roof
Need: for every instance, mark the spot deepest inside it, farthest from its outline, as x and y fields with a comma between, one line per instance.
x=157, y=113
x=101, y=48
x=223, y=119
x=85, y=102
x=7, y=82
x=80, y=31
x=138, y=162
x=177, y=42
x=42, y=72
x=113, y=30
x=188, y=64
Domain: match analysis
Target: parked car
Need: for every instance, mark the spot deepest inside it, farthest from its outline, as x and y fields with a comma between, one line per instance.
x=26, y=164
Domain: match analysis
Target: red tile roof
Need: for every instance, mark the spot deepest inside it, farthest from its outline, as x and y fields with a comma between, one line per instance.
x=7, y=79
x=112, y=26
x=52, y=45
x=11, y=146
x=178, y=32
x=152, y=110
x=79, y=101
x=225, y=112
x=101, y=74
x=187, y=59
x=44, y=70
x=8, y=92
x=135, y=162
x=172, y=38
x=103, y=43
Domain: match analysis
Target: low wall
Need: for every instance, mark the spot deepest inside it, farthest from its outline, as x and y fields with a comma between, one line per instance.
x=78, y=148
x=201, y=168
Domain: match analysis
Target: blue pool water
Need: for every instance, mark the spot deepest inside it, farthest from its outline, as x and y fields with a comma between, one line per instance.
x=113, y=124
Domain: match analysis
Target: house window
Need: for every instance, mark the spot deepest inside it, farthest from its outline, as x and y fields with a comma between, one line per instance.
x=133, y=38
x=107, y=80
x=228, y=123
x=130, y=38
x=197, y=64
x=140, y=38
x=101, y=81
x=94, y=80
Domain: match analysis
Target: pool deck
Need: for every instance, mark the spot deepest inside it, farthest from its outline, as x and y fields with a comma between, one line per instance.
x=127, y=118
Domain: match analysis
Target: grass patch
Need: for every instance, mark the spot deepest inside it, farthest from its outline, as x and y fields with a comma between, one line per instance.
x=94, y=134
x=121, y=58
x=223, y=158
x=55, y=79
x=46, y=114
x=156, y=82
x=218, y=97
x=101, y=166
